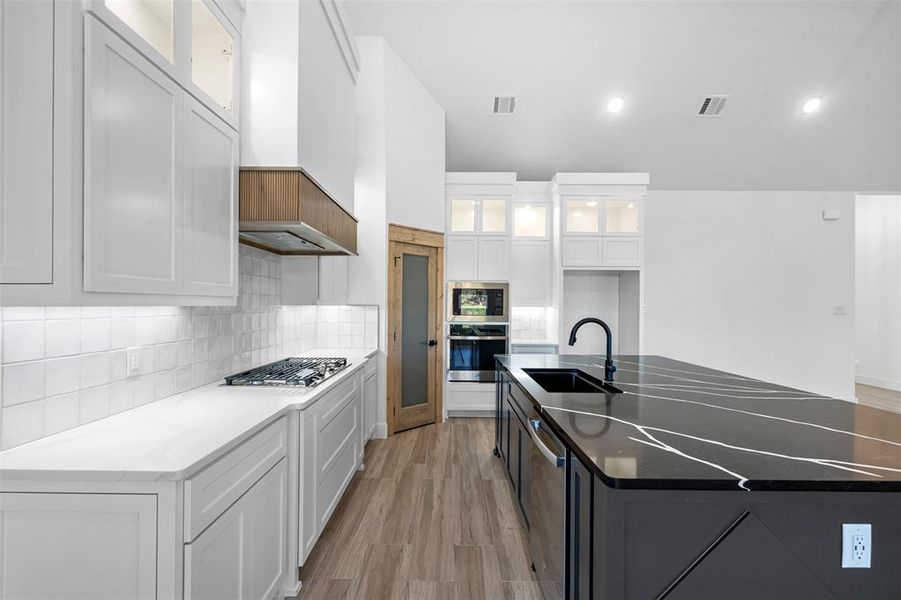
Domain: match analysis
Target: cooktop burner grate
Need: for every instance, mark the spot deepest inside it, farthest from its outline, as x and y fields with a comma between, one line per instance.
x=303, y=372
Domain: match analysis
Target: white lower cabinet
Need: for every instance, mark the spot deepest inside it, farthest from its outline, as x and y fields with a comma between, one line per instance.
x=369, y=400
x=241, y=555
x=96, y=546
x=329, y=456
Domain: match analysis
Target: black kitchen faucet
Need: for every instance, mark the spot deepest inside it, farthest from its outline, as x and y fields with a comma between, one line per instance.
x=609, y=368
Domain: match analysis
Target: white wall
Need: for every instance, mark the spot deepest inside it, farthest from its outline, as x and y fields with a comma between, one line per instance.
x=749, y=282
x=399, y=176
x=878, y=290
x=415, y=148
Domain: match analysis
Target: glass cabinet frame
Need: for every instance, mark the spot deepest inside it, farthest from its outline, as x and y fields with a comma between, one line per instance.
x=180, y=67
x=478, y=202
x=603, y=205
x=548, y=219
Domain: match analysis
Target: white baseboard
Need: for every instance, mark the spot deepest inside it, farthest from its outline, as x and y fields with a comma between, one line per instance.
x=488, y=412
x=291, y=592
x=381, y=431
x=879, y=382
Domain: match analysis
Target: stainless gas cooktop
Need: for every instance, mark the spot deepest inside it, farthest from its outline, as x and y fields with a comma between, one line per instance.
x=302, y=372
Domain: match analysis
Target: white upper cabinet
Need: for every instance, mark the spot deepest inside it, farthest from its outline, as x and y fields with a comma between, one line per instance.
x=581, y=216
x=210, y=249
x=475, y=215
x=26, y=142
x=531, y=221
x=494, y=258
x=462, y=258
x=212, y=55
x=601, y=218
x=133, y=117
x=192, y=41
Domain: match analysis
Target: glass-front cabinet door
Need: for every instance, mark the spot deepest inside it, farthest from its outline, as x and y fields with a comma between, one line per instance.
x=212, y=55
x=152, y=20
x=621, y=217
x=494, y=215
x=582, y=215
x=463, y=215
x=530, y=221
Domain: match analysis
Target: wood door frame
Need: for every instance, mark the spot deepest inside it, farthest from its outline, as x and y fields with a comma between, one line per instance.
x=400, y=234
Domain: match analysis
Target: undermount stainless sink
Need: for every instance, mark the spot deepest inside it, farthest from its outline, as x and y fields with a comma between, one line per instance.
x=570, y=381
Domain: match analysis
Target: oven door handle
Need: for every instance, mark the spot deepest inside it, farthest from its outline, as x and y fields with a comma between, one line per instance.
x=534, y=427
x=477, y=337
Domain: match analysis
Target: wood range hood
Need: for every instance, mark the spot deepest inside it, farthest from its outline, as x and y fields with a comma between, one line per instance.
x=283, y=210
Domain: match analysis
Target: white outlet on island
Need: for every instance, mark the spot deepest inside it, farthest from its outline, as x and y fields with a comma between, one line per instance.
x=857, y=545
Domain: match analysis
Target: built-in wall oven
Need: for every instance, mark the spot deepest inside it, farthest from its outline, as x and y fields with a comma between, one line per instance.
x=478, y=302
x=471, y=350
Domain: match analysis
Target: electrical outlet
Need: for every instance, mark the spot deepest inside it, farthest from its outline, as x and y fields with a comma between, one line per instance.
x=132, y=361
x=857, y=545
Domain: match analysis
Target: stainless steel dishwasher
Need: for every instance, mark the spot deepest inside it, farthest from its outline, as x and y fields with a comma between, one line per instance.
x=547, y=510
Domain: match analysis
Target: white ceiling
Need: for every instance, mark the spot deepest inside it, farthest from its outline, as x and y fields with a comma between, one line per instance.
x=563, y=59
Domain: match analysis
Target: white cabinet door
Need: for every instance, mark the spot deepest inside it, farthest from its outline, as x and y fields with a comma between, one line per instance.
x=462, y=258
x=581, y=251
x=530, y=272
x=209, y=236
x=78, y=546
x=622, y=251
x=333, y=279
x=133, y=117
x=242, y=554
x=370, y=398
x=494, y=258
x=26, y=142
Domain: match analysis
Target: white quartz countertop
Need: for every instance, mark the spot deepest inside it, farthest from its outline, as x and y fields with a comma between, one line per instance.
x=168, y=439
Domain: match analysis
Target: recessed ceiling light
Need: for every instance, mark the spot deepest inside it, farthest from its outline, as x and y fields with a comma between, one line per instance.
x=615, y=104
x=811, y=106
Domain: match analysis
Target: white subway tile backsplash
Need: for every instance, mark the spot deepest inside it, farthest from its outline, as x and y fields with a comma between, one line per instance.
x=121, y=332
x=22, y=423
x=61, y=375
x=23, y=313
x=60, y=413
x=23, y=340
x=22, y=382
x=93, y=404
x=121, y=396
x=95, y=335
x=62, y=337
x=94, y=370
x=66, y=365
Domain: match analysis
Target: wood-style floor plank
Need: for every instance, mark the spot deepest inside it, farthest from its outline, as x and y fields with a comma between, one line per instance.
x=432, y=517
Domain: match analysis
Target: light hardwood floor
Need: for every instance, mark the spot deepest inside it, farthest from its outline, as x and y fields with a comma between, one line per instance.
x=431, y=517
x=878, y=397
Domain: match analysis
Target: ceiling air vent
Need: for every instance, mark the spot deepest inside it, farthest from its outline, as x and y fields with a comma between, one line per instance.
x=712, y=106
x=504, y=105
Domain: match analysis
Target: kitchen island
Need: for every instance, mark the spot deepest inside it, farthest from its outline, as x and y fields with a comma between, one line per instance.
x=686, y=482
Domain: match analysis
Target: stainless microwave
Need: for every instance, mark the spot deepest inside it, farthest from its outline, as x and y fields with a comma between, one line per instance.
x=478, y=302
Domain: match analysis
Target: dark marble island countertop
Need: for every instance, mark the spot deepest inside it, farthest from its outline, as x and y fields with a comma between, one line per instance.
x=681, y=426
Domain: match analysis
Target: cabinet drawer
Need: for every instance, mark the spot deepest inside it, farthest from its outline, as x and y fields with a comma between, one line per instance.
x=334, y=480
x=336, y=433
x=218, y=486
